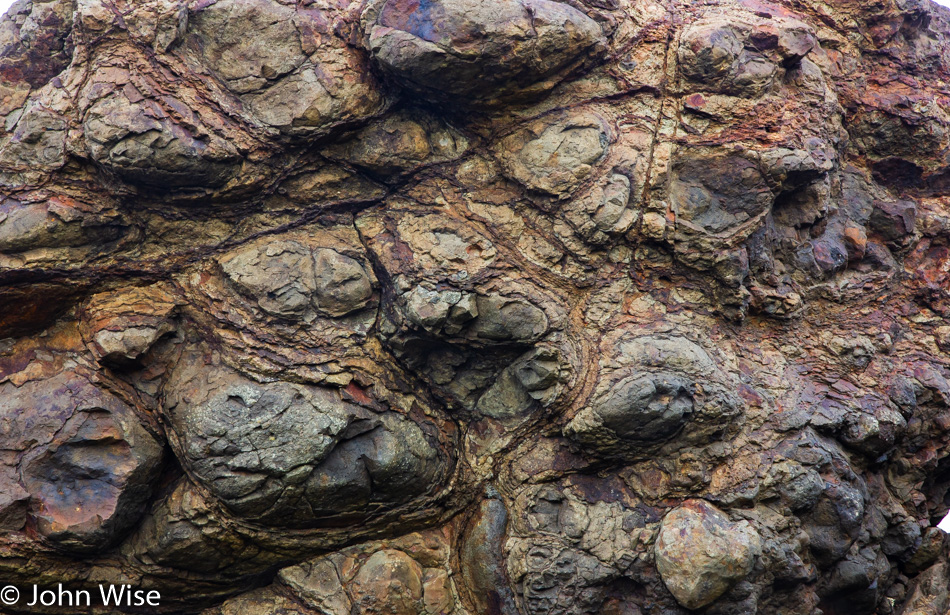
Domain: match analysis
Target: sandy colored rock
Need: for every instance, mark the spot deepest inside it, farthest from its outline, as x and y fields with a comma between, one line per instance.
x=389, y=582
x=700, y=554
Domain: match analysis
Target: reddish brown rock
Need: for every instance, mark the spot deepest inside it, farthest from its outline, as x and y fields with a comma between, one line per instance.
x=82, y=457
x=454, y=307
x=122, y=326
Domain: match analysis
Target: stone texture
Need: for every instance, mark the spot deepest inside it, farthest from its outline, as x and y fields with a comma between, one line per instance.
x=289, y=279
x=700, y=554
x=290, y=455
x=388, y=582
x=402, y=143
x=121, y=327
x=475, y=51
x=468, y=307
x=295, y=73
x=81, y=459
x=554, y=157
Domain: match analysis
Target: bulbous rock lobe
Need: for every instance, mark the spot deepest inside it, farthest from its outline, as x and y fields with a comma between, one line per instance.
x=477, y=49
x=554, y=157
x=142, y=142
x=88, y=465
x=292, y=455
x=669, y=387
x=288, y=278
x=700, y=554
x=293, y=74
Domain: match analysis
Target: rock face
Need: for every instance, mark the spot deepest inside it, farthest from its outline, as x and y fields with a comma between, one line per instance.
x=471, y=307
x=81, y=466
x=700, y=555
x=463, y=51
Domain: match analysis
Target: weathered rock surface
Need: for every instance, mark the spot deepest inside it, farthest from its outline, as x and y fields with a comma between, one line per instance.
x=470, y=307
x=700, y=554
x=79, y=465
x=466, y=51
x=290, y=455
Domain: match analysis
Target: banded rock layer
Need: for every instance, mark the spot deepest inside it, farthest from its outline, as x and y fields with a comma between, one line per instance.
x=471, y=307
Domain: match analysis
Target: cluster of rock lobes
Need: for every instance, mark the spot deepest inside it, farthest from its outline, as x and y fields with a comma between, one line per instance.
x=477, y=307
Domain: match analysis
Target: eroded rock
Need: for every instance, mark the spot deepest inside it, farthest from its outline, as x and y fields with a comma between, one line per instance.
x=700, y=554
x=471, y=51
x=83, y=459
x=295, y=74
x=289, y=279
x=140, y=140
x=453, y=307
x=402, y=143
x=270, y=452
x=554, y=157
x=668, y=384
x=123, y=326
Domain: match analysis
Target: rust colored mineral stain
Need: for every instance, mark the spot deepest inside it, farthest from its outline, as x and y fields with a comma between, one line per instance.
x=421, y=18
x=468, y=307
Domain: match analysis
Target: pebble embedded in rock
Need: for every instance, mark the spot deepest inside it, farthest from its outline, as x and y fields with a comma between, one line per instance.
x=554, y=157
x=700, y=554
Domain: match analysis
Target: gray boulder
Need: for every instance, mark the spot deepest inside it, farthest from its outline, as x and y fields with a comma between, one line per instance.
x=476, y=51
